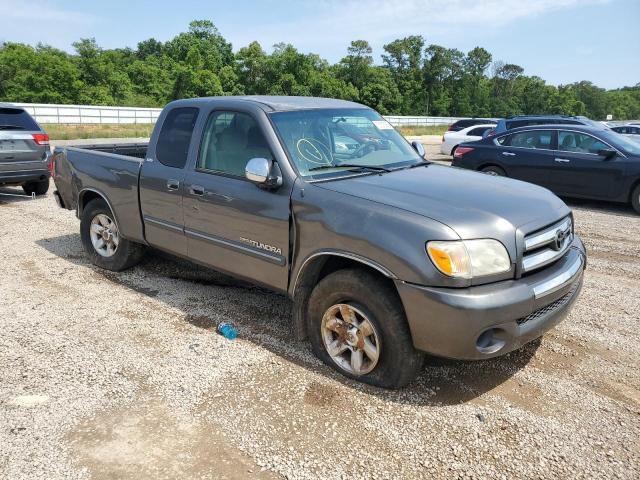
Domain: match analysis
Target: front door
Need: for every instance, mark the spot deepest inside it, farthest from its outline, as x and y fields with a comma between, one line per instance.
x=230, y=223
x=162, y=182
x=579, y=170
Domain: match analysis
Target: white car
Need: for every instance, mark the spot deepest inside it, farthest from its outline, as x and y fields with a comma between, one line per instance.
x=451, y=140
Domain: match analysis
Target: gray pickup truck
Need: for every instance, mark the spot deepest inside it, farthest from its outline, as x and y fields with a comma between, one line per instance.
x=384, y=254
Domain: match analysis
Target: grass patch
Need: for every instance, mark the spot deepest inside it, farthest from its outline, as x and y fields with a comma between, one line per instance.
x=143, y=130
x=426, y=130
x=115, y=130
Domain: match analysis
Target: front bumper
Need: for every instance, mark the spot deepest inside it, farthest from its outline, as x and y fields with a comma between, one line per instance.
x=491, y=320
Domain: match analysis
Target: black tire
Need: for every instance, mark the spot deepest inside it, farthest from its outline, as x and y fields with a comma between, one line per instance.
x=493, y=170
x=39, y=188
x=398, y=361
x=453, y=151
x=635, y=199
x=126, y=255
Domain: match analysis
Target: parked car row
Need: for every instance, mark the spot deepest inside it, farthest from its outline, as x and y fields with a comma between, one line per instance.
x=570, y=160
x=571, y=155
x=631, y=130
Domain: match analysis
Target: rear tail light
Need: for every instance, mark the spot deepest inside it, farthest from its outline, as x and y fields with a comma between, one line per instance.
x=51, y=165
x=41, y=139
x=461, y=151
x=450, y=128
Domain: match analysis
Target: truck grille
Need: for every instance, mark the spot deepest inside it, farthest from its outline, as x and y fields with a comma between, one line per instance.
x=561, y=302
x=547, y=245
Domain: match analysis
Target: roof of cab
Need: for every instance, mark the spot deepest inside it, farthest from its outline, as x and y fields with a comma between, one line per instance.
x=275, y=103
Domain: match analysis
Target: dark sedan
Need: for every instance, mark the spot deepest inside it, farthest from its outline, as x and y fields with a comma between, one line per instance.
x=572, y=161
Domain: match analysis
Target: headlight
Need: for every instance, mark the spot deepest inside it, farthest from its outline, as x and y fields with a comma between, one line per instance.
x=469, y=258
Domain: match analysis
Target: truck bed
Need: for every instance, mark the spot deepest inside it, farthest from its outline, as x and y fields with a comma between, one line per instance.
x=137, y=150
x=110, y=170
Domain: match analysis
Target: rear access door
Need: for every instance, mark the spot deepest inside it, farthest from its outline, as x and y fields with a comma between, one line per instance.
x=528, y=155
x=162, y=180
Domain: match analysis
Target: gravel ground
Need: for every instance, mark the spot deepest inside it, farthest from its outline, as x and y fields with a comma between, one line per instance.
x=122, y=376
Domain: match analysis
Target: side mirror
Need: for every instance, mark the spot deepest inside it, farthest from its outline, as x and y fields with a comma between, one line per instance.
x=264, y=173
x=417, y=146
x=607, y=153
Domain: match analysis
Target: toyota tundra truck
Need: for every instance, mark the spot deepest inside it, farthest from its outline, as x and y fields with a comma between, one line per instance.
x=386, y=256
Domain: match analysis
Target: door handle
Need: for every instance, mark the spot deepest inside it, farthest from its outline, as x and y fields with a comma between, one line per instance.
x=508, y=154
x=196, y=190
x=173, y=184
x=561, y=160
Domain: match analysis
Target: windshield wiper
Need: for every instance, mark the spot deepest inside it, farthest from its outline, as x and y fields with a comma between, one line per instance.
x=375, y=168
x=11, y=127
x=421, y=164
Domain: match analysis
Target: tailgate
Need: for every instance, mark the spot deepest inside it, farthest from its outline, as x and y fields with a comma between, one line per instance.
x=19, y=151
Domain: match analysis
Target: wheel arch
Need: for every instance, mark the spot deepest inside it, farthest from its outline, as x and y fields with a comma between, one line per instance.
x=316, y=267
x=87, y=195
x=635, y=184
x=490, y=163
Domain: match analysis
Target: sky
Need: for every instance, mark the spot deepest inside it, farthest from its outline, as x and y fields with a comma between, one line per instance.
x=561, y=41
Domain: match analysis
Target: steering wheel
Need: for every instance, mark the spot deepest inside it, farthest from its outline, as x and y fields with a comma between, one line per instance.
x=367, y=147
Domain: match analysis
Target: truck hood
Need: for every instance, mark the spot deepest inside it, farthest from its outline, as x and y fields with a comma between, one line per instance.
x=474, y=205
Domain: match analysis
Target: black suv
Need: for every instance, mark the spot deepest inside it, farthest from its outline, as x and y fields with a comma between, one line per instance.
x=529, y=120
x=24, y=151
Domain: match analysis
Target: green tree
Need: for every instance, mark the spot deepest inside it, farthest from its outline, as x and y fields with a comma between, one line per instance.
x=412, y=79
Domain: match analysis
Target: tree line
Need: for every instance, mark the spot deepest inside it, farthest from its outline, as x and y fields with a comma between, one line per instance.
x=415, y=78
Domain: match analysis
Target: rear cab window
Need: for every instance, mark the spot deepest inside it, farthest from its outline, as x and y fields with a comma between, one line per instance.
x=175, y=136
x=17, y=119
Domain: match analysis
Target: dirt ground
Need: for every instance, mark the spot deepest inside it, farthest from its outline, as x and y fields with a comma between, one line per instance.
x=113, y=376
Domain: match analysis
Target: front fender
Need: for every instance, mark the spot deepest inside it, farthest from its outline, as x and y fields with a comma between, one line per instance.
x=388, y=239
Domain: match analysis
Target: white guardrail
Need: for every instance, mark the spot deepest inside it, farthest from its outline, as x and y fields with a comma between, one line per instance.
x=89, y=114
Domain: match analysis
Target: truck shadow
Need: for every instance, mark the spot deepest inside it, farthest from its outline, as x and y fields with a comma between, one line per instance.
x=264, y=318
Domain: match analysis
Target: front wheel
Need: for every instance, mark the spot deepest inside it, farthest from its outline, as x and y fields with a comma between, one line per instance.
x=39, y=188
x=635, y=199
x=357, y=326
x=102, y=241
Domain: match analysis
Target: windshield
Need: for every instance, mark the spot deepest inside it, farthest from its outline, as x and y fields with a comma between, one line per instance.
x=320, y=141
x=622, y=142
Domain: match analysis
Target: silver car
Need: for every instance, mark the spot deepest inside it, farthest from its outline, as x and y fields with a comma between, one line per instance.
x=24, y=151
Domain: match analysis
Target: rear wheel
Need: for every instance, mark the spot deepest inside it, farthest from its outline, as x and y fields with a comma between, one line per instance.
x=102, y=240
x=635, y=199
x=493, y=170
x=39, y=188
x=357, y=326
